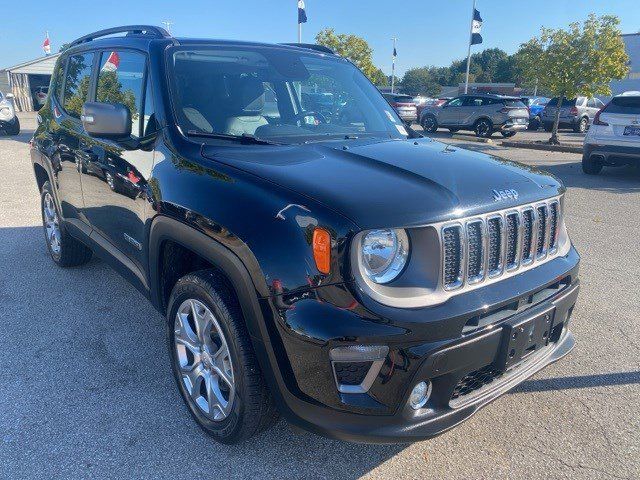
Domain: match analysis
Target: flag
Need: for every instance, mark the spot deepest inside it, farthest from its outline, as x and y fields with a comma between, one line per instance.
x=46, y=45
x=302, y=14
x=476, y=26
x=395, y=53
x=112, y=63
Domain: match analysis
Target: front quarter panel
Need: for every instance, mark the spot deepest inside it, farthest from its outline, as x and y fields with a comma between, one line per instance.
x=268, y=227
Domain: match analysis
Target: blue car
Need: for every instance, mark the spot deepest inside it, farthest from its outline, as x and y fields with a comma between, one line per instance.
x=535, y=106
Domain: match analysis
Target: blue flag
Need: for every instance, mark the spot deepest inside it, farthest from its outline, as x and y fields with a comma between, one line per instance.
x=476, y=27
x=302, y=14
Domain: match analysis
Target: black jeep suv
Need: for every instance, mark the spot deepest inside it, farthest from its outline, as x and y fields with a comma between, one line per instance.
x=313, y=257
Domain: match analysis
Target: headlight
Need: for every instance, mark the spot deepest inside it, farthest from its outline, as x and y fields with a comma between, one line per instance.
x=384, y=254
x=6, y=112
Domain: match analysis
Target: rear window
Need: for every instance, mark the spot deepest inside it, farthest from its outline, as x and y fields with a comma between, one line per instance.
x=514, y=104
x=399, y=98
x=629, y=105
x=565, y=102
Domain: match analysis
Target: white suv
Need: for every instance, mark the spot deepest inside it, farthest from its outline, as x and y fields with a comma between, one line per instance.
x=614, y=137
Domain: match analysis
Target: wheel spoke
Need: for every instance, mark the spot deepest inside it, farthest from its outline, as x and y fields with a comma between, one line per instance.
x=185, y=335
x=222, y=365
x=215, y=398
x=192, y=378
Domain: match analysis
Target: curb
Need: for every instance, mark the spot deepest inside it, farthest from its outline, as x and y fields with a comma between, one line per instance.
x=469, y=138
x=543, y=146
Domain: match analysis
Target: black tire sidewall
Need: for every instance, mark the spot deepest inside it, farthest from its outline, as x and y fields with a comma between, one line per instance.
x=225, y=430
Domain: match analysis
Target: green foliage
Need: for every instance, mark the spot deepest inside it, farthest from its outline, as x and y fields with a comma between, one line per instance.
x=581, y=60
x=110, y=91
x=355, y=49
x=422, y=81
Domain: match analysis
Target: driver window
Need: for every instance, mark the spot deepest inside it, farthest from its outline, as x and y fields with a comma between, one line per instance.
x=121, y=80
x=456, y=102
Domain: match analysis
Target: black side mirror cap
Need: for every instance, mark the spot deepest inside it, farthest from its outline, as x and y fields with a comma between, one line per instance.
x=108, y=120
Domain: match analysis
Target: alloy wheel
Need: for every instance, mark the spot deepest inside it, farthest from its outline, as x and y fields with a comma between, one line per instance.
x=204, y=361
x=110, y=181
x=483, y=128
x=51, y=224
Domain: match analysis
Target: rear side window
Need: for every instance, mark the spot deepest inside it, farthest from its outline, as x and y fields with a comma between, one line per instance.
x=76, y=85
x=121, y=80
x=565, y=102
x=630, y=105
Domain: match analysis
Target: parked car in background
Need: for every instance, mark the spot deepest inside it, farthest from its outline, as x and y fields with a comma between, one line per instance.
x=575, y=113
x=9, y=122
x=403, y=105
x=614, y=137
x=41, y=95
x=483, y=114
x=535, y=106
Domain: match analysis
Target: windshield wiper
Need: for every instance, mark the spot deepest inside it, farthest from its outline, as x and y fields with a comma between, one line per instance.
x=244, y=138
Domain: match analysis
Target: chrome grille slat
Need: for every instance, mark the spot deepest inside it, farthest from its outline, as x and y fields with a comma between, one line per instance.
x=513, y=234
x=453, y=257
x=553, y=226
x=475, y=251
x=542, y=231
x=486, y=247
x=495, y=247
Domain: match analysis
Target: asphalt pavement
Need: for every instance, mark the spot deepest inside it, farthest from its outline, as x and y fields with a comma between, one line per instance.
x=86, y=389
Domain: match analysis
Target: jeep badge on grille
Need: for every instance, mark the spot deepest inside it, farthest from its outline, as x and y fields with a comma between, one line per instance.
x=504, y=194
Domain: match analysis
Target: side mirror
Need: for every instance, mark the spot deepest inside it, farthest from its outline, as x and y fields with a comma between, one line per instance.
x=109, y=120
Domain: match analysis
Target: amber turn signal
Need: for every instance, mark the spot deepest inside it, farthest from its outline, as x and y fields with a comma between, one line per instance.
x=322, y=250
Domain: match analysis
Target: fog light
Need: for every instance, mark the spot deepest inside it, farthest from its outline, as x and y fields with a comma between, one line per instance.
x=420, y=395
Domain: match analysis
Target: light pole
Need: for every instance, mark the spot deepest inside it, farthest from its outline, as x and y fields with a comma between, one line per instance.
x=466, y=78
x=393, y=65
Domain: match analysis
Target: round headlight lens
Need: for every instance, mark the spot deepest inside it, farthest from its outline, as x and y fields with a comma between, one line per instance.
x=384, y=254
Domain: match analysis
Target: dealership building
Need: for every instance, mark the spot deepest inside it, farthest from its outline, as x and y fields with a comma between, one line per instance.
x=632, y=82
x=24, y=79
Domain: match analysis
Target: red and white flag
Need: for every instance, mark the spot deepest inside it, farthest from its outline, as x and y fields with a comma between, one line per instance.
x=112, y=63
x=46, y=45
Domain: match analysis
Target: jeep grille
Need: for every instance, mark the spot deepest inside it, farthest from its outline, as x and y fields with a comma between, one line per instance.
x=497, y=244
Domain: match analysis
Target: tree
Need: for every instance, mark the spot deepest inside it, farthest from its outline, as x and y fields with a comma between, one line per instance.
x=421, y=81
x=579, y=61
x=354, y=48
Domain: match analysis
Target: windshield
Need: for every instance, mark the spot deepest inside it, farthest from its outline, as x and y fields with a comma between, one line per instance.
x=276, y=94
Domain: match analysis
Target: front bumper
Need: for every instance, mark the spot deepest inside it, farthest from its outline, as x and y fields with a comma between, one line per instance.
x=424, y=344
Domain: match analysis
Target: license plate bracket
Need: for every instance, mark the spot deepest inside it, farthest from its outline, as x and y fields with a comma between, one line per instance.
x=523, y=338
x=631, y=130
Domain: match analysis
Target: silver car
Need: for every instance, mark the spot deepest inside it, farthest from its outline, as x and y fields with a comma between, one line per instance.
x=9, y=122
x=575, y=113
x=482, y=114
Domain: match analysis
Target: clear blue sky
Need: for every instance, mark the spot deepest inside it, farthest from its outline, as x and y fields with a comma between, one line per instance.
x=429, y=32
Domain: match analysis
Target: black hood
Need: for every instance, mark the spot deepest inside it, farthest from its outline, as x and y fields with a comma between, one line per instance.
x=396, y=183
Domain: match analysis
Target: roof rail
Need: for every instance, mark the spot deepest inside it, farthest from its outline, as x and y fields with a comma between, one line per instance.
x=144, y=30
x=311, y=46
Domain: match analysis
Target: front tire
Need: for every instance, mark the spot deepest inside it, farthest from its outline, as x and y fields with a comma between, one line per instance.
x=548, y=127
x=429, y=124
x=213, y=361
x=582, y=125
x=483, y=128
x=65, y=250
x=15, y=128
x=590, y=166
